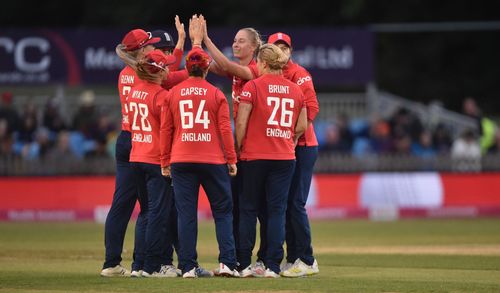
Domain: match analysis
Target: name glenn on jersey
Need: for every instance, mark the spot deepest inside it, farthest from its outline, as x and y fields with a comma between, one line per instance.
x=127, y=79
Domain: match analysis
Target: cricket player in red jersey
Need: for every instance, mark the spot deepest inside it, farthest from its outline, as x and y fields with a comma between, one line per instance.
x=299, y=259
x=137, y=43
x=271, y=117
x=198, y=149
x=167, y=45
x=246, y=42
x=174, y=75
x=144, y=105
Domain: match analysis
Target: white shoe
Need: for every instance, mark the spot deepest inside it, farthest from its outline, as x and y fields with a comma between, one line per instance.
x=225, y=271
x=166, y=271
x=270, y=274
x=298, y=269
x=190, y=274
x=285, y=266
x=116, y=271
x=136, y=274
x=246, y=272
x=169, y=271
x=198, y=272
x=259, y=270
x=202, y=273
x=313, y=269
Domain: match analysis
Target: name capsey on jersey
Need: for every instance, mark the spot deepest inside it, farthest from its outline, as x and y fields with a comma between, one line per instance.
x=200, y=114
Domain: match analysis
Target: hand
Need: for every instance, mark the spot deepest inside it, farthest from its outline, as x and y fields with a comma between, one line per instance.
x=232, y=169
x=165, y=171
x=195, y=31
x=193, y=23
x=181, y=33
x=203, y=23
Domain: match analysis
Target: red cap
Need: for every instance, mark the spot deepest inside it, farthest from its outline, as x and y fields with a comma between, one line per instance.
x=138, y=38
x=158, y=60
x=277, y=37
x=198, y=57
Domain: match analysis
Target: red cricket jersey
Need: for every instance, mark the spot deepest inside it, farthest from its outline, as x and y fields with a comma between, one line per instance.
x=195, y=125
x=128, y=77
x=144, y=105
x=173, y=78
x=276, y=105
x=303, y=79
x=178, y=58
x=238, y=84
x=126, y=81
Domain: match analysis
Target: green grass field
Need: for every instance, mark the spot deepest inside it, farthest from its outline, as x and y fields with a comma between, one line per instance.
x=354, y=256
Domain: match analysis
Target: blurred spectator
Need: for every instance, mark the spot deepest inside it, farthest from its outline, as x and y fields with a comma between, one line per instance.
x=495, y=148
x=103, y=129
x=100, y=150
x=380, y=138
x=62, y=150
x=338, y=136
x=86, y=116
x=403, y=123
x=402, y=144
x=9, y=114
x=29, y=123
x=486, y=127
x=470, y=108
x=333, y=141
x=466, y=152
x=346, y=137
x=424, y=148
x=6, y=141
x=39, y=147
x=52, y=118
x=441, y=139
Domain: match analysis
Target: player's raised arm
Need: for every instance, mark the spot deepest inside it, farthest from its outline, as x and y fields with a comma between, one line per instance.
x=181, y=34
x=224, y=64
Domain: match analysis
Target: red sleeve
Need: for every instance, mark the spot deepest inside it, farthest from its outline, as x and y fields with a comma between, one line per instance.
x=254, y=69
x=173, y=78
x=248, y=93
x=178, y=58
x=158, y=101
x=225, y=128
x=304, y=81
x=166, y=132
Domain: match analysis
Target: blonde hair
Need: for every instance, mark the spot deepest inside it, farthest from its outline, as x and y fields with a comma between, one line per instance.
x=254, y=37
x=129, y=57
x=273, y=56
x=147, y=72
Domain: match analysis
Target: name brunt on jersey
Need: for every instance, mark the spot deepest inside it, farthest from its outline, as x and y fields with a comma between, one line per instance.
x=281, y=111
x=188, y=119
x=140, y=121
